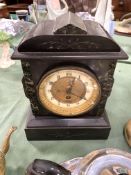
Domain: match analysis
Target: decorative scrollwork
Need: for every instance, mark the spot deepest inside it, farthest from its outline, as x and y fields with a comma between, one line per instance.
x=29, y=87
x=106, y=82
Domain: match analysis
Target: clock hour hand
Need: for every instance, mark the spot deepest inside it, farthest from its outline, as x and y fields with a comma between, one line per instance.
x=81, y=97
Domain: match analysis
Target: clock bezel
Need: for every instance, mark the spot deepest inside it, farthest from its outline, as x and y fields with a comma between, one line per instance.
x=69, y=68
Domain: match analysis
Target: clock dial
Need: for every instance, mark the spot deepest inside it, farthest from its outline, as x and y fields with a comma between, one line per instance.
x=69, y=91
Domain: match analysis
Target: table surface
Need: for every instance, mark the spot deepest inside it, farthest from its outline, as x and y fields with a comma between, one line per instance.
x=14, y=109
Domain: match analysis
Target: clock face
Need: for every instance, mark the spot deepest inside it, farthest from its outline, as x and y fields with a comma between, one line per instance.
x=69, y=91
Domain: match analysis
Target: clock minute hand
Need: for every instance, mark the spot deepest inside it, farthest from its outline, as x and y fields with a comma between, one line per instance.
x=70, y=86
x=72, y=82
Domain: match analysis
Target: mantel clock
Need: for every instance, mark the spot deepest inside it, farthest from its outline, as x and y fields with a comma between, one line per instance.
x=68, y=67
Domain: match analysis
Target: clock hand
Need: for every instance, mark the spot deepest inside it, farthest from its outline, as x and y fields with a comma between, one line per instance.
x=78, y=96
x=72, y=81
x=69, y=89
x=70, y=86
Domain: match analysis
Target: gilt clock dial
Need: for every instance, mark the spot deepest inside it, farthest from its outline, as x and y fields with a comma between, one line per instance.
x=69, y=91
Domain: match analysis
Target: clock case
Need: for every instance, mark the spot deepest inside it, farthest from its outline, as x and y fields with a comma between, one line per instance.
x=67, y=41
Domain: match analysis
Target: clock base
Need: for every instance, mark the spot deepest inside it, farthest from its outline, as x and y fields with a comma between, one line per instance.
x=56, y=128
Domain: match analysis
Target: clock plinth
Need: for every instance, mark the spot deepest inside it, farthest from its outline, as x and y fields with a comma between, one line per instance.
x=54, y=128
x=68, y=67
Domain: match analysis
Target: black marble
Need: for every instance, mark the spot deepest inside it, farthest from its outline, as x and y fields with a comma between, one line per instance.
x=68, y=41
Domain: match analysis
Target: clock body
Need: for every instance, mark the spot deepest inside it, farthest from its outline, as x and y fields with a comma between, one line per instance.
x=47, y=96
x=68, y=66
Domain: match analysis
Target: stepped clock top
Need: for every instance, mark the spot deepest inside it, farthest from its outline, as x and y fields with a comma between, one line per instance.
x=68, y=33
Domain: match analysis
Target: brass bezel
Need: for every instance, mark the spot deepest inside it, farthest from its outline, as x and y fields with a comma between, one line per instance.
x=53, y=108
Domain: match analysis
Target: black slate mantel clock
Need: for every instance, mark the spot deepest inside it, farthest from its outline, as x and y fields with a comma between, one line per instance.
x=68, y=67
